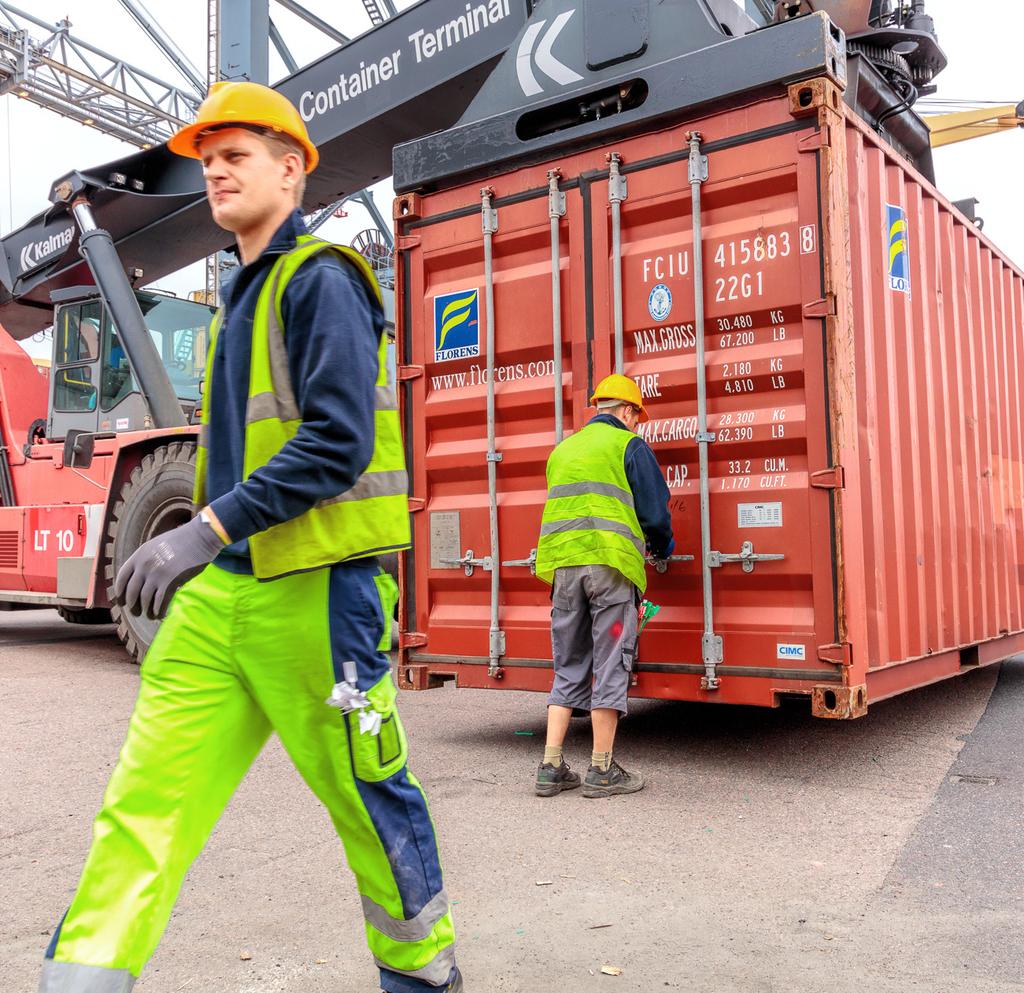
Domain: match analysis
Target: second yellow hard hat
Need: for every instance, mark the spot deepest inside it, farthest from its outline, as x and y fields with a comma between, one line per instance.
x=616, y=387
x=245, y=104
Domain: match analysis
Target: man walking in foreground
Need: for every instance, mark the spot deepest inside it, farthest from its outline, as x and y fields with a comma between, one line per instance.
x=301, y=477
x=607, y=502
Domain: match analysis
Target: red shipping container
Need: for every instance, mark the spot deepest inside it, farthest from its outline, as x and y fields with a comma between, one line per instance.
x=863, y=353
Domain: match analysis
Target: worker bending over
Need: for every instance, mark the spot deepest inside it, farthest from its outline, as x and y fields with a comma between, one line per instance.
x=607, y=504
x=301, y=477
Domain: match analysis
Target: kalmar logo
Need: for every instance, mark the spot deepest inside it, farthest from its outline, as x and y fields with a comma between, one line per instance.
x=36, y=251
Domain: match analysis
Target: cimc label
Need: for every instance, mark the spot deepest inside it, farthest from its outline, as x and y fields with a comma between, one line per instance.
x=899, y=249
x=457, y=325
x=798, y=652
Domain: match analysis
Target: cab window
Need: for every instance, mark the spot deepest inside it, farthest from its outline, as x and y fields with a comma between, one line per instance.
x=77, y=345
x=117, y=374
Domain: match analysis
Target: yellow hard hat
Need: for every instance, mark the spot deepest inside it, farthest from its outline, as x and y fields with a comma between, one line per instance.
x=242, y=105
x=616, y=387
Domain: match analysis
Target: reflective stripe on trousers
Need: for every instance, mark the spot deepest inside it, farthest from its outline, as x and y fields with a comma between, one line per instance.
x=70, y=977
x=435, y=973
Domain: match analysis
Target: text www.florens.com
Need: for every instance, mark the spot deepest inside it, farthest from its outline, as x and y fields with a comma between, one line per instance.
x=477, y=375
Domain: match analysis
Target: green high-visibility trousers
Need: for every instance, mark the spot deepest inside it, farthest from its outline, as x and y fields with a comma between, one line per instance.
x=235, y=660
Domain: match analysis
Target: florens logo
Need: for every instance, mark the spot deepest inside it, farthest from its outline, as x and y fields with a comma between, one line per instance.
x=36, y=252
x=457, y=325
x=899, y=249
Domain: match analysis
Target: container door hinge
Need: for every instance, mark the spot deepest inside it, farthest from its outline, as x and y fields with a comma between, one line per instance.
x=409, y=372
x=488, y=215
x=822, y=138
x=407, y=242
x=713, y=654
x=411, y=639
x=406, y=208
x=840, y=654
x=618, y=188
x=833, y=478
x=496, y=643
x=826, y=307
x=416, y=504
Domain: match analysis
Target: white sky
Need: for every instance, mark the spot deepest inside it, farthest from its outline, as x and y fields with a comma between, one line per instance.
x=36, y=145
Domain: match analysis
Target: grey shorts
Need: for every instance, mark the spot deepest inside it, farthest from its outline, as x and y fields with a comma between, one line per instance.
x=593, y=637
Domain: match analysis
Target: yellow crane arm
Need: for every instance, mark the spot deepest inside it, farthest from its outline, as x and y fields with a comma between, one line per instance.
x=947, y=129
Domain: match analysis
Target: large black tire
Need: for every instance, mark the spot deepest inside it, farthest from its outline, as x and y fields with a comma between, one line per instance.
x=85, y=615
x=155, y=498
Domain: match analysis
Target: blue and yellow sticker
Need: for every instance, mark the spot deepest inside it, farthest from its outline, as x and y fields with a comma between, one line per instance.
x=899, y=249
x=457, y=325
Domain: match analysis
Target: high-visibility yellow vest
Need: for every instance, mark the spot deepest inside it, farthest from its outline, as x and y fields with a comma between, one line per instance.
x=589, y=517
x=370, y=518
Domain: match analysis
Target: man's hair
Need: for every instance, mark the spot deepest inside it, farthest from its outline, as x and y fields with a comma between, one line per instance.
x=612, y=405
x=280, y=144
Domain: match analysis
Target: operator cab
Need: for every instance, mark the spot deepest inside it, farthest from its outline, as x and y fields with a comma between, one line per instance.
x=92, y=385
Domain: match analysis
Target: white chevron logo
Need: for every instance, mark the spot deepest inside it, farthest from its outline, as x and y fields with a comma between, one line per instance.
x=545, y=61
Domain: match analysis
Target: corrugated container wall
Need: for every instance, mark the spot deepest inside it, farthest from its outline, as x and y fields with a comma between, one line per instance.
x=863, y=359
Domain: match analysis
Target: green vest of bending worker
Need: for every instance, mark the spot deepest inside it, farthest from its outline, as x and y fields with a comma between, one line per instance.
x=607, y=506
x=277, y=612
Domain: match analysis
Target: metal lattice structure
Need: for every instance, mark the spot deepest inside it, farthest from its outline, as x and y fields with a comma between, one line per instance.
x=379, y=10
x=212, y=75
x=48, y=66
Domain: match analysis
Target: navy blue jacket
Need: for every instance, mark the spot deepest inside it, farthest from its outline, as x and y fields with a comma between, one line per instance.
x=650, y=491
x=333, y=326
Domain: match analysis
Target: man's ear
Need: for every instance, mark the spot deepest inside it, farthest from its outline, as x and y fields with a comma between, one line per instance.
x=295, y=168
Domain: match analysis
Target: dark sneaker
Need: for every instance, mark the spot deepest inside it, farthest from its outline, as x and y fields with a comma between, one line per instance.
x=611, y=783
x=551, y=780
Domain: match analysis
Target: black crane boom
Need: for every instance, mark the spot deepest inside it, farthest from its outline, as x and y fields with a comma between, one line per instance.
x=413, y=74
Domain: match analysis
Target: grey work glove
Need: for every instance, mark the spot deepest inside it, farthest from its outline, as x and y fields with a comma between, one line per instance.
x=150, y=577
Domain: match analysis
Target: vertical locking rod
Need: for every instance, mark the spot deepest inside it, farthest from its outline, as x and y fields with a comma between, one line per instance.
x=496, y=637
x=617, y=193
x=556, y=211
x=711, y=643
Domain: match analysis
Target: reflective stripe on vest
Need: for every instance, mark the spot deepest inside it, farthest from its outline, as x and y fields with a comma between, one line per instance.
x=593, y=524
x=601, y=489
x=589, y=517
x=369, y=518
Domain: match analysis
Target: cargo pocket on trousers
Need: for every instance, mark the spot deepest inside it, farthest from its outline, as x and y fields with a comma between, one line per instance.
x=376, y=757
x=630, y=625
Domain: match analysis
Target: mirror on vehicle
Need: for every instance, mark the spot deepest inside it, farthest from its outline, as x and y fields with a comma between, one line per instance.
x=79, y=447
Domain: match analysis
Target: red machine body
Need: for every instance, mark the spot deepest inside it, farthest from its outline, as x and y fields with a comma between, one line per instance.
x=57, y=530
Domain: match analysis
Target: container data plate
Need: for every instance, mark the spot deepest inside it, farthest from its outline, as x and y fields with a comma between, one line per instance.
x=445, y=539
x=760, y=515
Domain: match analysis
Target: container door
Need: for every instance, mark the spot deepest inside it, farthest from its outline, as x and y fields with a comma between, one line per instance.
x=773, y=581
x=448, y=575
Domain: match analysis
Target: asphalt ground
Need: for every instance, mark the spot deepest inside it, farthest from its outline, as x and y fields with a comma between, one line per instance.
x=771, y=853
